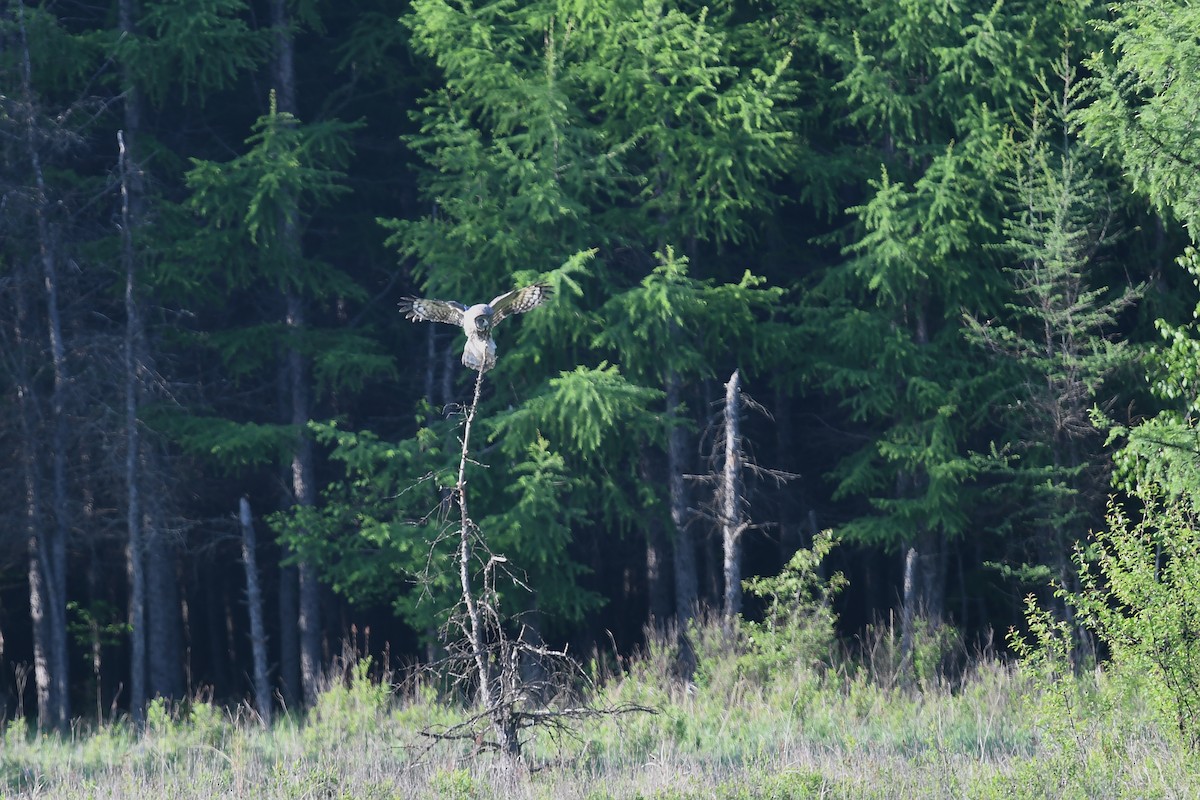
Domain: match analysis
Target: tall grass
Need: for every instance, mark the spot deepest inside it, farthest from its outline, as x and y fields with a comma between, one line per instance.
x=730, y=733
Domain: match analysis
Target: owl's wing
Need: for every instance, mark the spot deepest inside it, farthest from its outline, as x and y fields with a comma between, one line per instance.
x=420, y=309
x=518, y=301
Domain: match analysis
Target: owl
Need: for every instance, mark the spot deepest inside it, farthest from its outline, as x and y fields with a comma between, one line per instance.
x=477, y=321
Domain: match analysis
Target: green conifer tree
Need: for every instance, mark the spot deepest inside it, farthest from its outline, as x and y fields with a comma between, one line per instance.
x=1058, y=335
x=927, y=88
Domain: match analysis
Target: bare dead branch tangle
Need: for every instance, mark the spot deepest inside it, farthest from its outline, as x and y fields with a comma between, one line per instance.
x=488, y=659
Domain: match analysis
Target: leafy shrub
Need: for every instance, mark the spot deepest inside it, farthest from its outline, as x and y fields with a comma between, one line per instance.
x=353, y=708
x=457, y=784
x=1055, y=700
x=1141, y=597
x=797, y=630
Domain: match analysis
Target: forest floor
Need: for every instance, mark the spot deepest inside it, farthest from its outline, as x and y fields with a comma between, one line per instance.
x=995, y=732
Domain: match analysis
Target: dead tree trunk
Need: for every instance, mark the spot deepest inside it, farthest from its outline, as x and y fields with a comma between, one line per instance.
x=135, y=565
x=258, y=636
x=733, y=521
x=501, y=717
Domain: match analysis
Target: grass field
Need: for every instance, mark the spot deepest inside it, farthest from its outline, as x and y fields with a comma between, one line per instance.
x=831, y=733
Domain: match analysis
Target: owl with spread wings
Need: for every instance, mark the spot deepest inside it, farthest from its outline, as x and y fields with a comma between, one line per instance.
x=477, y=321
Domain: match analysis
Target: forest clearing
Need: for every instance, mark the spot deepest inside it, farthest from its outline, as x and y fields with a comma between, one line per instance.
x=992, y=734
x=839, y=440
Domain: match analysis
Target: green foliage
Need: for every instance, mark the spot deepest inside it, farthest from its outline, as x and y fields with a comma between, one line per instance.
x=457, y=784
x=349, y=709
x=382, y=534
x=929, y=90
x=540, y=527
x=705, y=131
x=704, y=320
x=1164, y=451
x=1053, y=336
x=378, y=530
x=230, y=444
x=289, y=169
x=1059, y=699
x=582, y=409
x=195, y=48
x=1140, y=593
x=99, y=622
x=1145, y=93
x=62, y=57
x=798, y=623
x=172, y=729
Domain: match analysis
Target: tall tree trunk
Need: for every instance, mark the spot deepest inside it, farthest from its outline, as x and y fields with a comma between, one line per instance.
x=733, y=522
x=52, y=550
x=303, y=488
x=258, y=636
x=686, y=579
x=658, y=548
x=908, y=610
x=496, y=677
x=155, y=619
x=289, y=635
x=309, y=619
x=164, y=623
x=27, y=402
x=41, y=636
x=924, y=554
x=135, y=565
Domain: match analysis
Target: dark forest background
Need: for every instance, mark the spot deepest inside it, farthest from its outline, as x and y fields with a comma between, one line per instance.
x=942, y=242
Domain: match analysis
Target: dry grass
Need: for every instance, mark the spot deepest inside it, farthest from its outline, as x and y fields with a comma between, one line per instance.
x=837, y=735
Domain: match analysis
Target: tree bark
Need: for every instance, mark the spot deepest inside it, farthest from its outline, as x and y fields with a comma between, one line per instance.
x=309, y=619
x=289, y=635
x=502, y=720
x=27, y=402
x=303, y=489
x=733, y=522
x=658, y=548
x=164, y=623
x=686, y=580
x=908, y=610
x=155, y=613
x=135, y=565
x=254, y=603
x=52, y=548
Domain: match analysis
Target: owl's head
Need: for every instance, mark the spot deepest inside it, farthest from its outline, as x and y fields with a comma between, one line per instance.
x=478, y=319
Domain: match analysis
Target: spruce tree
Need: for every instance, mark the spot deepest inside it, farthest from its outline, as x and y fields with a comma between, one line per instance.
x=1057, y=334
x=927, y=91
